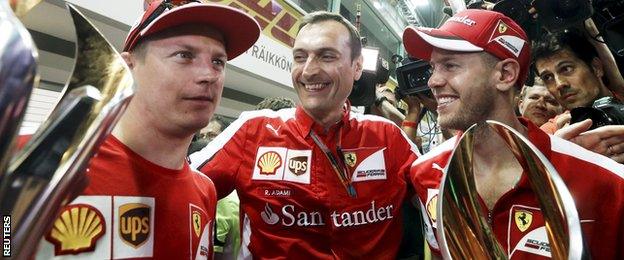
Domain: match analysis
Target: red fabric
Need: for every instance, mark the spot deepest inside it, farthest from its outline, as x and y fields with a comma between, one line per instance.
x=595, y=182
x=491, y=31
x=306, y=213
x=132, y=194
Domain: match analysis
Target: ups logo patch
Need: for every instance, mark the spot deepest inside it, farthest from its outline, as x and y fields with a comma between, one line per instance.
x=134, y=223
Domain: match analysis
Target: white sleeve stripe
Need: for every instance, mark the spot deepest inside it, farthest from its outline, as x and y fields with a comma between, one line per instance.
x=565, y=147
x=362, y=117
x=200, y=157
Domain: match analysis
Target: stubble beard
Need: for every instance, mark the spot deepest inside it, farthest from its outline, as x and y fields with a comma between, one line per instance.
x=476, y=110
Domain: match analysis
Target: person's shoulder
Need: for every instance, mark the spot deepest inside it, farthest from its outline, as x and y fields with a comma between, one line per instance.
x=268, y=114
x=570, y=155
x=371, y=119
x=439, y=153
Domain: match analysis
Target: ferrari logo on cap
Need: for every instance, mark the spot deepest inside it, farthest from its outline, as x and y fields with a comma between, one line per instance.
x=523, y=219
x=350, y=159
x=502, y=27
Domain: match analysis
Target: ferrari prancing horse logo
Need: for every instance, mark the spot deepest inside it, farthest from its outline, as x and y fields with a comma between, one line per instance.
x=523, y=219
x=350, y=159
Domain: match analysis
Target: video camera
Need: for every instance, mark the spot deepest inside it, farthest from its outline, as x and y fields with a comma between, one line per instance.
x=375, y=70
x=413, y=77
x=604, y=111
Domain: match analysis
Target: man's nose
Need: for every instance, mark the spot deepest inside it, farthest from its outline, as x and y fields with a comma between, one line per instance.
x=209, y=73
x=310, y=68
x=561, y=82
x=436, y=80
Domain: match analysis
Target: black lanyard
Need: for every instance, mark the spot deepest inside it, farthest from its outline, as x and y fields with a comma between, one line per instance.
x=339, y=168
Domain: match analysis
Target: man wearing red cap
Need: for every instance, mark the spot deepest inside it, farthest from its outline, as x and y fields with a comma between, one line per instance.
x=478, y=57
x=316, y=181
x=143, y=200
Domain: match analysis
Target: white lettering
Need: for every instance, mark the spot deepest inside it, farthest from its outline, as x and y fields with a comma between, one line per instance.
x=288, y=215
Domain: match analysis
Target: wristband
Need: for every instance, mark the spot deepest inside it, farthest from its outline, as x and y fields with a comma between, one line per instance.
x=409, y=124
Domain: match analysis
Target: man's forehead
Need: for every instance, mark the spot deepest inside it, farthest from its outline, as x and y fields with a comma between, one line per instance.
x=556, y=59
x=439, y=55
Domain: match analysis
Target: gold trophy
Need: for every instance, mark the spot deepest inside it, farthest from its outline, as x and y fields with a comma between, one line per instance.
x=50, y=170
x=462, y=227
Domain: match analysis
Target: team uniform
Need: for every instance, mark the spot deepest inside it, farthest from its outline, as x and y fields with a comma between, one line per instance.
x=133, y=208
x=293, y=204
x=595, y=182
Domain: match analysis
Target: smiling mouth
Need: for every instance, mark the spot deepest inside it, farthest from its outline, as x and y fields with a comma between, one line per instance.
x=313, y=87
x=445, y=101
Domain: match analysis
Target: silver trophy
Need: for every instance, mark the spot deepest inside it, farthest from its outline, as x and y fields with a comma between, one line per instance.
x=50, y=171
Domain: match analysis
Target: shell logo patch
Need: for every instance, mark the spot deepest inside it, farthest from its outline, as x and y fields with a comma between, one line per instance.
x=77, y=229
x=269, y=162
x=431, y=207
x=523, y=219
x=134, y=223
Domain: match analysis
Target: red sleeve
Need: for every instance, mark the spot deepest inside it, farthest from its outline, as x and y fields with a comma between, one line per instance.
x=223, y=166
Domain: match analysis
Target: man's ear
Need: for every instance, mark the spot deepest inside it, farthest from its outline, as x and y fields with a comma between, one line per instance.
x=358, y=64
x=509, y=71
x=597, y=67
x=128, y=58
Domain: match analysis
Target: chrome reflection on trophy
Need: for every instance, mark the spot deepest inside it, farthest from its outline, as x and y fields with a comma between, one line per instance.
x=462, y=227
x=21, y=7
x=18, y=76
x=51, y=169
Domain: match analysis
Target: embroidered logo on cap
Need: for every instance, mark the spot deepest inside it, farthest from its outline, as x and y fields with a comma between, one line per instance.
x=507, y=38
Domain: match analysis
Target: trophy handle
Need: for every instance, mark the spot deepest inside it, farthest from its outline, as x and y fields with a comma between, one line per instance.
x=462, y=227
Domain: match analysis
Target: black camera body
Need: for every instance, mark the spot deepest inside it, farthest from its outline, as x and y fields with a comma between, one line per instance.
x=413, y=77
x=604, y=111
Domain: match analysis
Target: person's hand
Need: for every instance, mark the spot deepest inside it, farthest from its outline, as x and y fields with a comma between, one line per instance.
x=563, y=119
x=605, y=140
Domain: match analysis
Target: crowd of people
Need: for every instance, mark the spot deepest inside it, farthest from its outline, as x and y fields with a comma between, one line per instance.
x=312, y=179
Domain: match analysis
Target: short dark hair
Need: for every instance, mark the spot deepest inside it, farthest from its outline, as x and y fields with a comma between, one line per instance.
x=275, y=103
x=322, y=16
x=570, y=39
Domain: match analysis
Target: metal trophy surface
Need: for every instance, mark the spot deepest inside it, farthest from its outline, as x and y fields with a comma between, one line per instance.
x=50, y=170
x=18, y=76
x=462, y=227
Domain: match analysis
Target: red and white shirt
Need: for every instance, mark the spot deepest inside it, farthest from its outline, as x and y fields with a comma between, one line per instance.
x=595, y=182
x=293, y=204
x=133, y=208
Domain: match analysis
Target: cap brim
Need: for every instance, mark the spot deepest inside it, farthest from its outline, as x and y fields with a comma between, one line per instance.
x=419, y=42
x=239, y=29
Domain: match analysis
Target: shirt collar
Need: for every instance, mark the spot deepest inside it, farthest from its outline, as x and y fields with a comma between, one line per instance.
x=305, y=123
x=541, y=140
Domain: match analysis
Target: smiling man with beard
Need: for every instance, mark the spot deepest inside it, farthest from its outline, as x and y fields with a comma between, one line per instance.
x=478, y=57
x=315, y=181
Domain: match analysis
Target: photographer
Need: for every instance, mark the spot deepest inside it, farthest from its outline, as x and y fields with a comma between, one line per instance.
x=572, y=71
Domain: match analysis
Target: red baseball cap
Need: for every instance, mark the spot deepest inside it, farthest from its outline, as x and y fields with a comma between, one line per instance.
x=473, y=30
x=240, y=31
